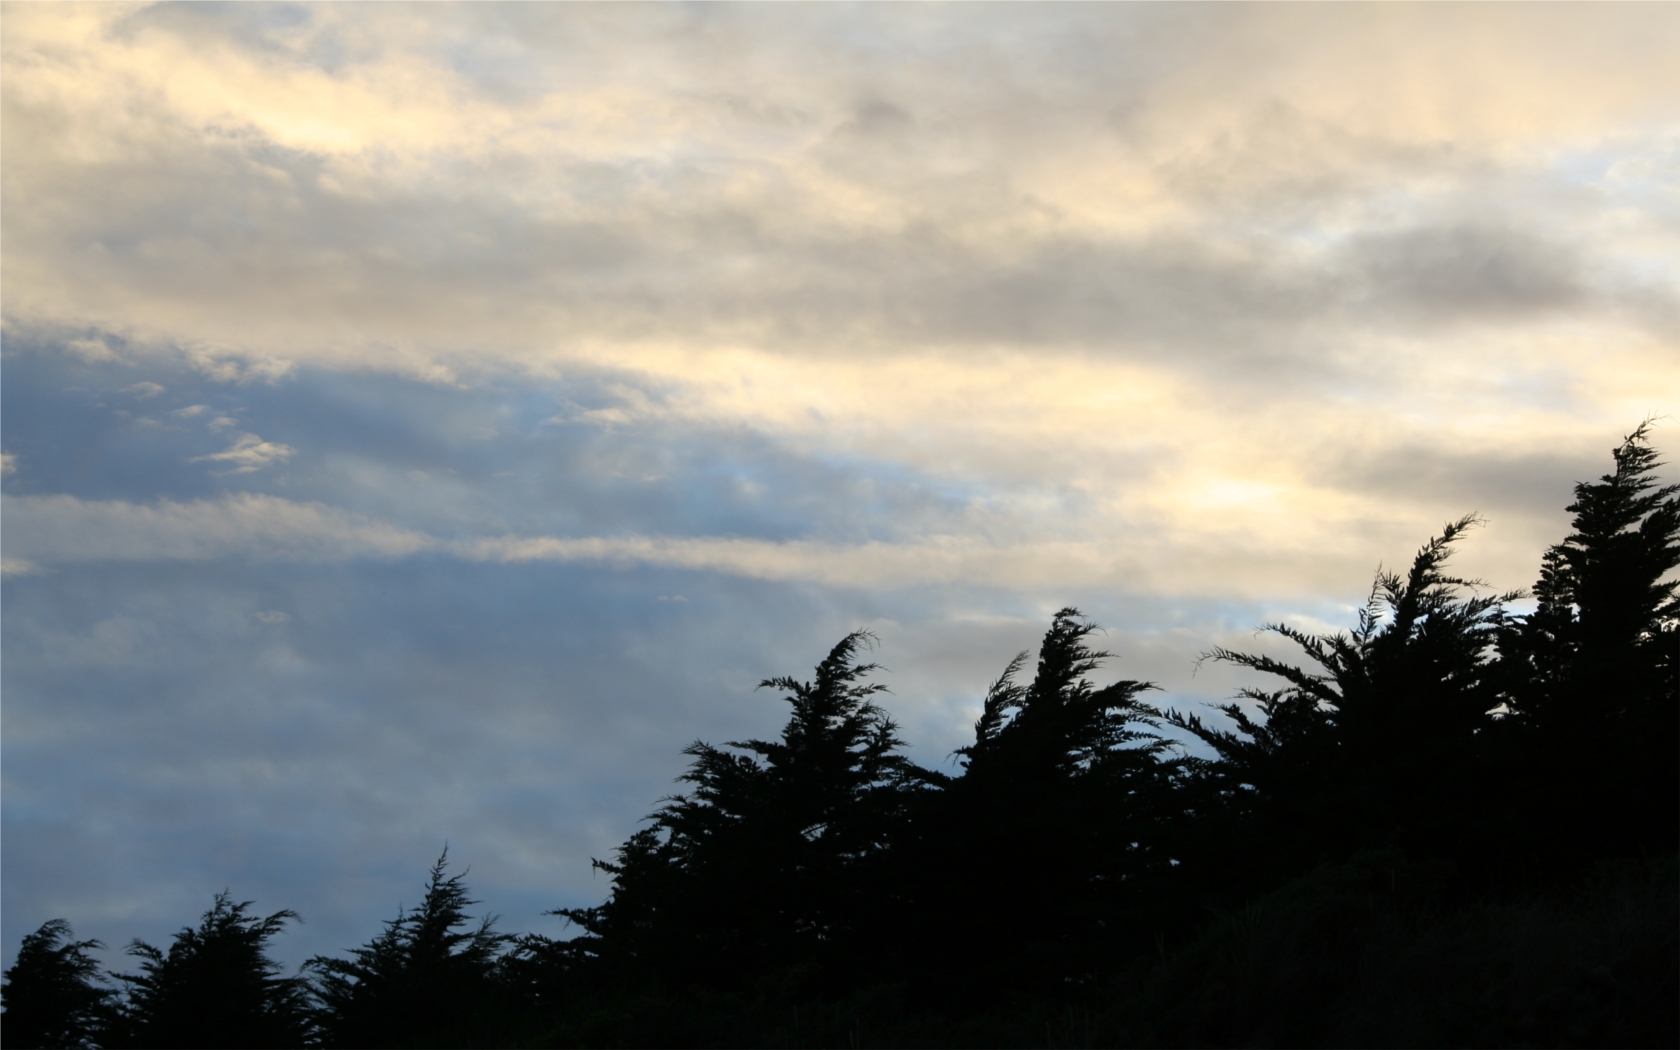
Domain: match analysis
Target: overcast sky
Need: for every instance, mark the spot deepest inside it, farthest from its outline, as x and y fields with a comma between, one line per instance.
x=420, y=423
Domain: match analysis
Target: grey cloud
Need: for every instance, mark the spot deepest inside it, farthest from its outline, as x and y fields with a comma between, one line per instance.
x=477, y=270
x=468, y=271
x=489, y=465
x=1522, y=494
x=90, y=350
x=63, y=528
x=1467, y=271
x=712, y=238
x=877, y=121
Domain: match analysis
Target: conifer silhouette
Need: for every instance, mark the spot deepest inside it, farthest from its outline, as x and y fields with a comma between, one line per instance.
x=772, y=864
x=216, y=986
x=1590, y=677
x=1600, y=645
x=424, y=981
x=1376, y=742
x=1055, y=822
x=53, y=994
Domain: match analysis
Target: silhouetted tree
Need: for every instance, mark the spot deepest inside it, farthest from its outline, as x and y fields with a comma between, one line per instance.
x=216, y=986
x=1376, y=741
x=1590, y=676
x=52, y=994
x=1030, y=865
x=773, y=862
x=430, y=979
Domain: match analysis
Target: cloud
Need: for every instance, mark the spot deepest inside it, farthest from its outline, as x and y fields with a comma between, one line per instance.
x=90, y=350
x=1468, y=270
x=190, y=411
x=144, y=390
x=18, y=567
x=891, y=200
x=58, y=530
x=250, y=452
x=8, y=463
x=63, y=529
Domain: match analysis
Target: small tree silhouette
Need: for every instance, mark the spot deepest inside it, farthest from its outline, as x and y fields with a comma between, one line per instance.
x=1029, y=868
x=1376, y=740
x=773, y=861
x=52, y=994
x=1061, y=726
x=424, y=981
x=216, y=986
x=1601, y=645
x=1592, y=677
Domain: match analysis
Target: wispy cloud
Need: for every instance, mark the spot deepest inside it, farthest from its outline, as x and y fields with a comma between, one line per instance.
x=90, y=350
x=249, y=453
x=18, y=567
x=62, y=529
x=49, y=530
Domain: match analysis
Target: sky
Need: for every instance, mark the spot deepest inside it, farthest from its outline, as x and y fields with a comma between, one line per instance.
x=422, y=422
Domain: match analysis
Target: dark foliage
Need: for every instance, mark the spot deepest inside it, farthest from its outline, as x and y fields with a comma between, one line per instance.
x=1378, y=741
x=54, y=994
x=1590, y=678
x=1030, y=867
x=215, y=987
x=1381, y=950
x=771, y=868
x=430, y=979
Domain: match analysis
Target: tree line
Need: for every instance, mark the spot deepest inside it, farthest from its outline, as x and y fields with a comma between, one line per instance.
x=1450, y=823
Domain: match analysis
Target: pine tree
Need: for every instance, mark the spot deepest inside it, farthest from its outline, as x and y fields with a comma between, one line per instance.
x=428, y=980
x=1030, y=868
x=1590, y=677
x=1377, y=741
x=773, y=862
x=52, y=994
x=1601, y=645
x=217, y=986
